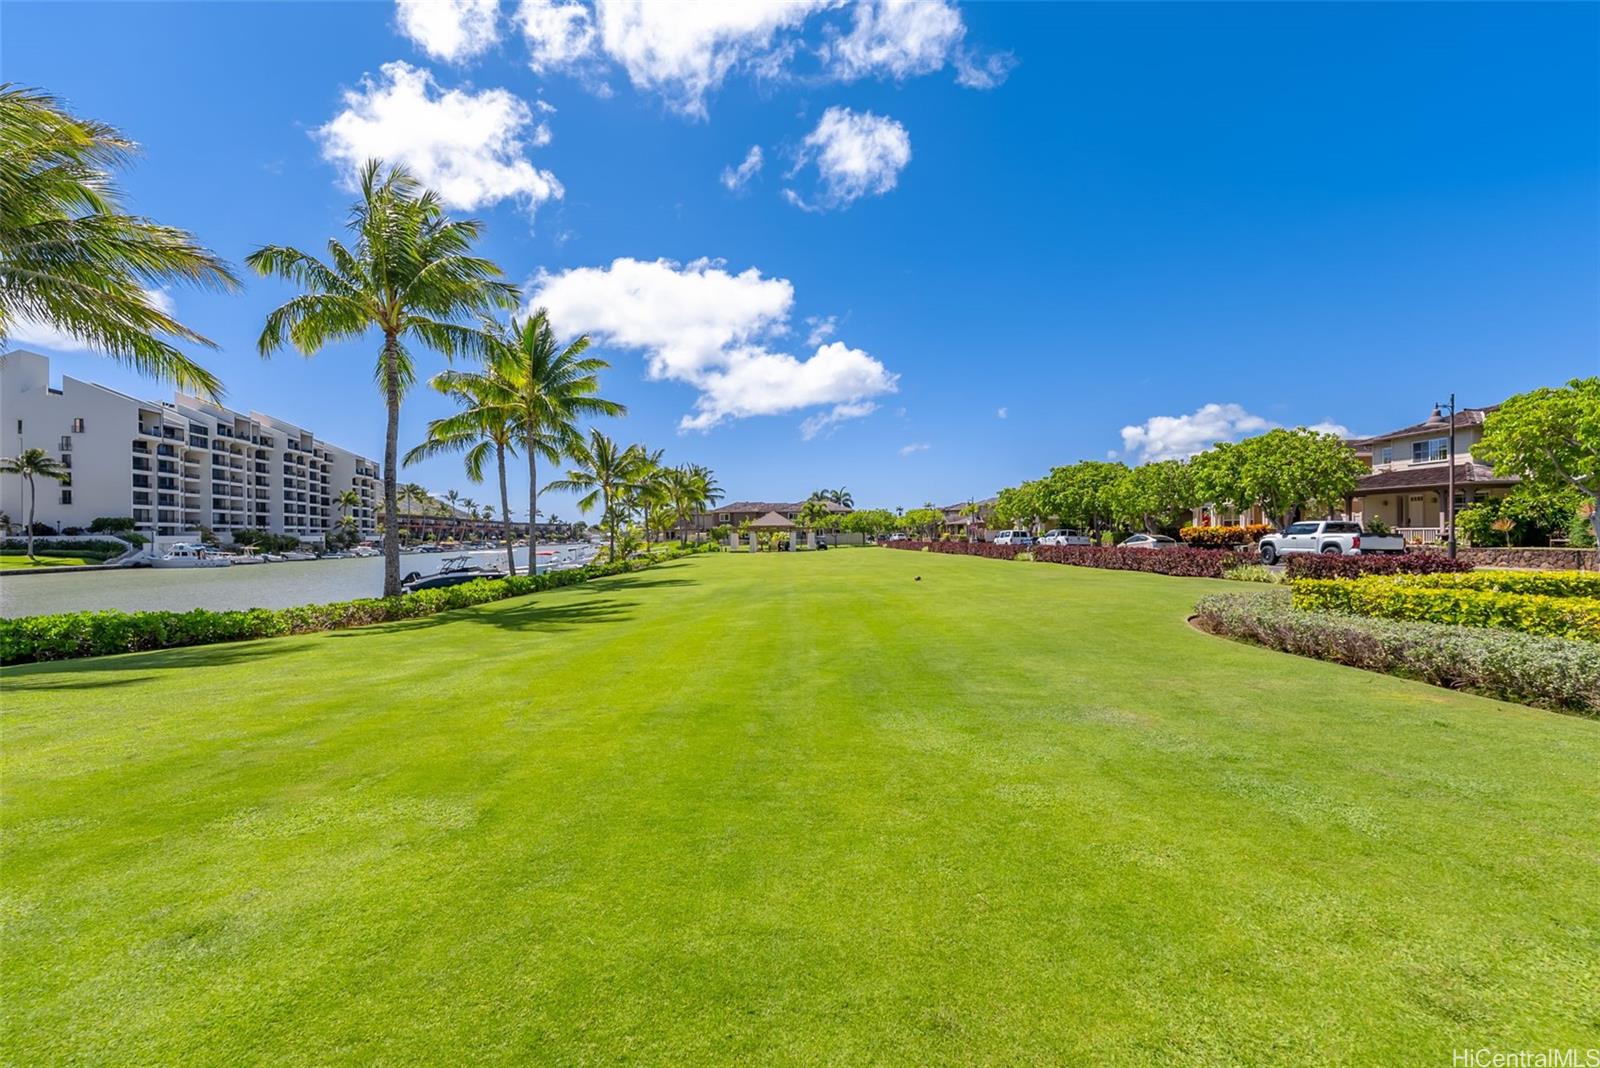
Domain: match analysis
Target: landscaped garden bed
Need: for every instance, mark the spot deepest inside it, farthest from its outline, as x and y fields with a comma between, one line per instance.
x=1555, y=604
x=1555, y=673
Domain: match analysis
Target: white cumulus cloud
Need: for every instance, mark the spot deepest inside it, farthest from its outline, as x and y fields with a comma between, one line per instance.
x=914, y=447
x=468, y=146
x=558, y=33
x=684, y=52
x=856, y=154
x=451, y=30
x=736, y=178
x=898, y=38
x=1175, y=437
x=699, y=324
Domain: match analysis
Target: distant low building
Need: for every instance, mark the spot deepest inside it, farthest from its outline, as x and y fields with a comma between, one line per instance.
x=737, y=512
x=974, y=526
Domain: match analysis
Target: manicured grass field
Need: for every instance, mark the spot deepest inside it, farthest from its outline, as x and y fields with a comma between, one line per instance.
x=19, y=560
x=790, y=809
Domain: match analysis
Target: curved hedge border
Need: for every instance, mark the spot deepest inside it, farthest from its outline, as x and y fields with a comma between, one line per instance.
x=1403, y=598
x=1546, y=672
x=78, y=634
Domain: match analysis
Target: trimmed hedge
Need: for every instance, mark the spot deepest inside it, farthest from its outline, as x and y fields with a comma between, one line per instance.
x=1401, y=597
x=1188, y=563
x=1225, y=537
x=1185, y=563
x=78, y=634
x=1325, y=565
x=1543, y=583
x=1546, y=672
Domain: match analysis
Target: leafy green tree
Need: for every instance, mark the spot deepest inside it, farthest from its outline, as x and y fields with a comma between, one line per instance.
x=32, y=464
x=1083, y=494
x=1550, y=437
x=925, y=520
x=1020, y=505
x=1154, y=496
x=482, y=427
x=411, y=277
x=813, y=514
x=605, y=473
x=71, y=258
x=1283, y=471
x=550, y=388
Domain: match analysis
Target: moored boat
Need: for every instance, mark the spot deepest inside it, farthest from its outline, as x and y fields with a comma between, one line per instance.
x=184, y=554
x=452, y=572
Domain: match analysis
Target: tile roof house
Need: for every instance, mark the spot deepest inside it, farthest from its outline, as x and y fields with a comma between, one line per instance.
x=1411, y=471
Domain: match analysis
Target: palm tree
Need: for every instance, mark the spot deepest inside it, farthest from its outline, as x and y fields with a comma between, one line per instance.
x=842, y=497
x=483, y=425
x=551, y=387
x=470, y=506
x=450, y=496
x=70, y=258
x=410, y=277
x=691, y=489
x=347, y=500
x=604, y=472
x=31, y=463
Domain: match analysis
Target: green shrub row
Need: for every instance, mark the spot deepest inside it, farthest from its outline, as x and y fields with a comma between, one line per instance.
x=1550, y=673
x=1542, y=583
x=78, y=634
x=64, y=547
x=1400, y=597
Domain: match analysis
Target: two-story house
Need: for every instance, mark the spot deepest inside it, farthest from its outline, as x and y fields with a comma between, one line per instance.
x=1410, y=478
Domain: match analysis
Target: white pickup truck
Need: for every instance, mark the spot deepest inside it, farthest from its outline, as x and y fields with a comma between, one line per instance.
x=1337, y=537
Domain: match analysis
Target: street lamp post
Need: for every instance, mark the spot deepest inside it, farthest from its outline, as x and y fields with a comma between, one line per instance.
x=1450, y=466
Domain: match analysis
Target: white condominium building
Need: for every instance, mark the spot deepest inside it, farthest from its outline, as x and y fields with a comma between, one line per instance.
x=176, y=466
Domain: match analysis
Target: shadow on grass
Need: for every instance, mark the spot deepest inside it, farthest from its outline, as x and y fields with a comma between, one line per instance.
x=17, y=677
x=526, y=616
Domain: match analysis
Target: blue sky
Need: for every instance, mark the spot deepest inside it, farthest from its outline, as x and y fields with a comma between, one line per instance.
x=981, y=241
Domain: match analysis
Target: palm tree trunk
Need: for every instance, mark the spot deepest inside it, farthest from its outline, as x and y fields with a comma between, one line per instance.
x=533, y=511
x=505, y=513
x=33, y=498
x=391, y=450
x=611, y=522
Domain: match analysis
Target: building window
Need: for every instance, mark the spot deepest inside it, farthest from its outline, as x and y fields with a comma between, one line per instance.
x=724, y=517
x=1427, y=451
x=66, y=496
x=19, y=426
x=66, y=443
x=1386, y=455
x=77, y=426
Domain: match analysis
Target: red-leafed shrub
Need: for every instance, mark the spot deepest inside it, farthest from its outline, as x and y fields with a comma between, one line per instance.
x=961, y=548
x=1327, y=565
x=1188, y=563
x=1224, y=537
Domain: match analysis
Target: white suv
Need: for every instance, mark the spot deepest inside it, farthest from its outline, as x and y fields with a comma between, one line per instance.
x=1013, y=537
x=1062, y=536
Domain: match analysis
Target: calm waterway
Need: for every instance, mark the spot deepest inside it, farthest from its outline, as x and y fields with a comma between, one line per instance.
x=251, y=586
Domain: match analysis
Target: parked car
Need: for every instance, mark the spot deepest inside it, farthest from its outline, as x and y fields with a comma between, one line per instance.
x=899, y=536
x=1147, y=541
x=1340, y=538
x=1013, y=537
x=1062, y=536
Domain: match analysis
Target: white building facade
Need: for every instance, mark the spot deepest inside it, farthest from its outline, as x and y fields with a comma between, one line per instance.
x=176, y=467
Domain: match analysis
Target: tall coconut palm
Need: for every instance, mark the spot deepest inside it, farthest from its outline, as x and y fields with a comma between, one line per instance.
x=482, y=426
x=450, y=496
x=347, y=500
x=31, y=464
x=409, y=276
x=552, y=387
x=605, y=472
x=691, y=489
x=72, y=260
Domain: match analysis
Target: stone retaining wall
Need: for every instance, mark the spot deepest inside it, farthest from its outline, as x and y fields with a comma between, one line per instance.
x=1547, y=559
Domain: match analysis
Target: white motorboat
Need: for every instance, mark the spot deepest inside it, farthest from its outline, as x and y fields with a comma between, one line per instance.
x=298, y=555
x=247, y=557
x=365, y=550
x=185, y=555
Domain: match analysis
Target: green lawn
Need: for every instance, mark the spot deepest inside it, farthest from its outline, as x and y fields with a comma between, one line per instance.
x=790, y=809
x=44, y=559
